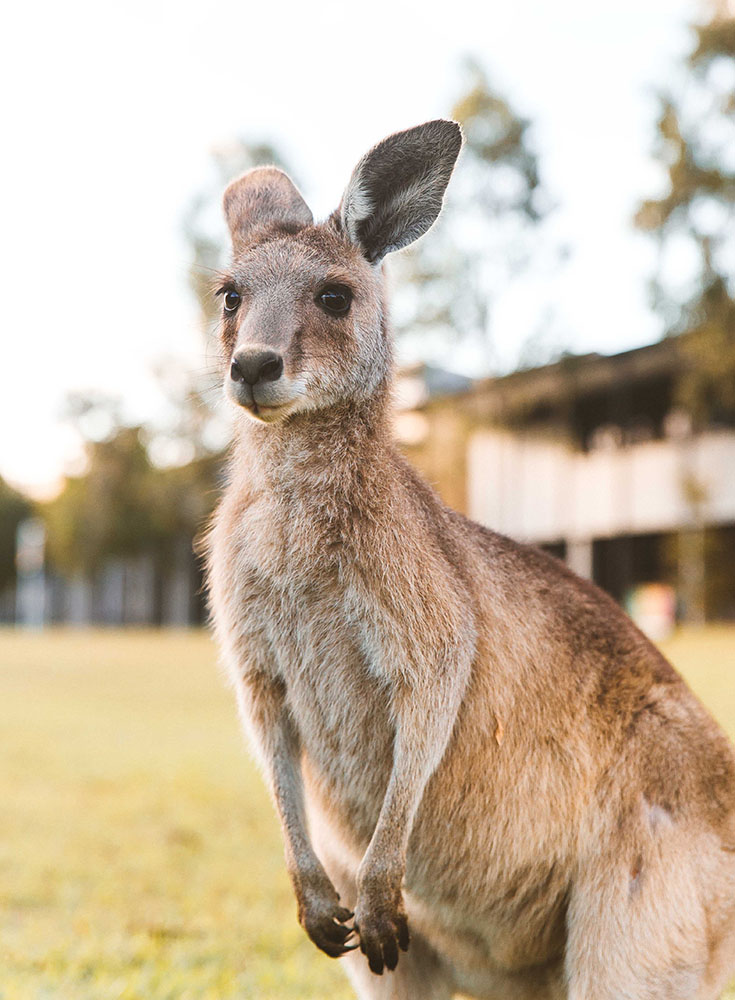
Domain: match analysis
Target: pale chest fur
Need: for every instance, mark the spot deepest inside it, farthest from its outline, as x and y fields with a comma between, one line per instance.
x=289, y=604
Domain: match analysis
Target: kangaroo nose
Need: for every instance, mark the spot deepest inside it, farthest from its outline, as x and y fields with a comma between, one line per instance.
x=256, y=366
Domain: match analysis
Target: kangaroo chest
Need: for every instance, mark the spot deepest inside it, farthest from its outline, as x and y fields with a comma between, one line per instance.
x=303, y=621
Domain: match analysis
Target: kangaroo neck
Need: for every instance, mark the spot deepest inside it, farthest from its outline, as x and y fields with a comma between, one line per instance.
x=321, y=456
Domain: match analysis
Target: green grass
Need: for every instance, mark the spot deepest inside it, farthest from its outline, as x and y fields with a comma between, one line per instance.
x=139, y=856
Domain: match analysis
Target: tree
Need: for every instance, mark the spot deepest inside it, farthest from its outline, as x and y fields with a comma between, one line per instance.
x=692, y=219
x=485, y=237
x=14, y=508
x=123, y=505
x=106, y=512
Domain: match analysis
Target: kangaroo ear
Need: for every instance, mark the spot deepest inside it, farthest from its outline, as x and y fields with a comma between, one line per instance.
x=396, y=190
x=264, y=197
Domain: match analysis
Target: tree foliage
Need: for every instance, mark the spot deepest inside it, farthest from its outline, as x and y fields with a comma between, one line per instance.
x=485, y=237
x=109, y=510
x=14, y=508
x=707, y=387
x=693, y=219
x=124, y=506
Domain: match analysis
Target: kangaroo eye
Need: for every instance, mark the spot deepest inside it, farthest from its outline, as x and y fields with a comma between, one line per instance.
x=231, y=300
x=335, y=300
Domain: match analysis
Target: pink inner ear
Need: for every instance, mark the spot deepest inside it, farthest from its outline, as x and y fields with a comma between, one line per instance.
x=264, y=197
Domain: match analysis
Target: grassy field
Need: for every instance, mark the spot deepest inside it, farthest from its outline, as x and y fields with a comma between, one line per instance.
x=139, y=858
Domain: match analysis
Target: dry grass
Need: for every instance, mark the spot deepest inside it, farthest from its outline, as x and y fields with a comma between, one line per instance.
x=139, y=858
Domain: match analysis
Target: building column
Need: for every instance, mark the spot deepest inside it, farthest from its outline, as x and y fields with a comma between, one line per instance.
x=31, y=599
x=692, y=575
x=579, y=556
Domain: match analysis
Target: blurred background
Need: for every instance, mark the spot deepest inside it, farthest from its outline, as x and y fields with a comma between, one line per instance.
x=566, y=336
x=566, y=346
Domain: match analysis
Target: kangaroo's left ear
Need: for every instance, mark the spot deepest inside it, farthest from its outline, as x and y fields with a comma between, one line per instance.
x=396, y=190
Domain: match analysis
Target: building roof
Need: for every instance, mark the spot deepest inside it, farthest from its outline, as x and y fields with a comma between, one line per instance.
x=576, y=375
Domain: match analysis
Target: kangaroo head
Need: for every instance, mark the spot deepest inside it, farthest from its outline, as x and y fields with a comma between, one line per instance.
x=303, y=325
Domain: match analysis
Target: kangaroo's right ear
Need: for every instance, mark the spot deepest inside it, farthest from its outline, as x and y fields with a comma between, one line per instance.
x=396, y=190
x=264, y=197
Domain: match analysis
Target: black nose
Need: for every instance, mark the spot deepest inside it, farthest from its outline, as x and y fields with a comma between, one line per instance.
x=256, y=366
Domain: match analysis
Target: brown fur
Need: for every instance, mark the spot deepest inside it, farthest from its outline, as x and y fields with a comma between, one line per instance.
x=456, y=729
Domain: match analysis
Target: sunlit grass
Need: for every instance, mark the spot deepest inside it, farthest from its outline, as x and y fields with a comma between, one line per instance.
x=139, y=856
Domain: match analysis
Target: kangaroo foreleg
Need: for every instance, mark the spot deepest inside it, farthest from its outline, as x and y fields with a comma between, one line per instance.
x=276, y=741
x=424, y=718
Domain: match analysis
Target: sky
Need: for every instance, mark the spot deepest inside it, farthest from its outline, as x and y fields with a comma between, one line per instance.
x=111, y=111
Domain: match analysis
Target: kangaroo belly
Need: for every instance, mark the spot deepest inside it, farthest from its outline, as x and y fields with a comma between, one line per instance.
x=488, y=869
x=512, y=920
x=517, y=924
x=347, y=741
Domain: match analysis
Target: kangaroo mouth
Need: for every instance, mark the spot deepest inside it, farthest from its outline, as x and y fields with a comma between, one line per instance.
x=263, y=403
x=268, y=413
x=261, y=409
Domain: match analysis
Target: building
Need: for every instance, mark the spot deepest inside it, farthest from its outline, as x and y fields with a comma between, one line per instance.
x=592, y=459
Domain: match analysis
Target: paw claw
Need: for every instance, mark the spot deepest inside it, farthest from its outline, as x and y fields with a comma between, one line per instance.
x=376, y=965
x=379, y=940
x=404, y=938
x=326, y=924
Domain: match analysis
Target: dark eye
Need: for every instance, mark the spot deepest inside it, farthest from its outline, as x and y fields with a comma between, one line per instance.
x=335, y=300
x=231, y=300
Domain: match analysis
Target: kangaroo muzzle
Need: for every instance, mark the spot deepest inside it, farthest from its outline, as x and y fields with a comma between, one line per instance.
x=254, y=365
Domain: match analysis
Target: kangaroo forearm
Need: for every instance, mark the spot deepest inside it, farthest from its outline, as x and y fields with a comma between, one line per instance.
x=277, y=746
x=424, y=723
x=288, y=793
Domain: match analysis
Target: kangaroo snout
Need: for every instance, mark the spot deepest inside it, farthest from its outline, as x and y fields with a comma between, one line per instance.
x=253, y=365
x=258, y=384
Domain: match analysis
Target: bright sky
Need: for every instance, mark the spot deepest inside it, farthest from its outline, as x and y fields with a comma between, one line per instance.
x=110, y=111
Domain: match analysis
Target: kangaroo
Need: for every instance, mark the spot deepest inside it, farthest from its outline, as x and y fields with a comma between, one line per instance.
x=487, y=778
